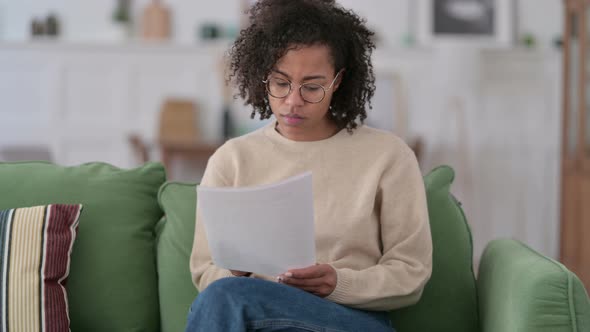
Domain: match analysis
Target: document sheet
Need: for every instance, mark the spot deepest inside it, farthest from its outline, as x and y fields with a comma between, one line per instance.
x=266, y=229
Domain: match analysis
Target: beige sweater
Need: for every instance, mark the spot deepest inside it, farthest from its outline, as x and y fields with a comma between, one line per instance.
x=371, y=219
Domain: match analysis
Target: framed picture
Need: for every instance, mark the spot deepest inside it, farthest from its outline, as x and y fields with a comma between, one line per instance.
x=483, y=22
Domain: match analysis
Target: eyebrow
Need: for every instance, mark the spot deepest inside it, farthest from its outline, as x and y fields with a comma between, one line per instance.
x=306, y=78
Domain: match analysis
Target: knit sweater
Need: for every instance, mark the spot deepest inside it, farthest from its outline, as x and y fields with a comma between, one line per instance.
x=371, y=218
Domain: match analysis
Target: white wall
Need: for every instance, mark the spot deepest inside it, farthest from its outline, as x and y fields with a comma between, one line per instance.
x=90, y=20
x=504, y=146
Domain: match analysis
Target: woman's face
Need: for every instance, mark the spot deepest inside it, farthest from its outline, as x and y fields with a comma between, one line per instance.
x=298, y=119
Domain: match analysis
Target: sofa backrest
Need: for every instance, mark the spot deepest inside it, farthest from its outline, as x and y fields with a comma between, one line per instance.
x=449, y=301
x=174, y=243
x=113, y=282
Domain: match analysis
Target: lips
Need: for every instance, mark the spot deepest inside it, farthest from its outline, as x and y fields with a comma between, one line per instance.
x=292, y=119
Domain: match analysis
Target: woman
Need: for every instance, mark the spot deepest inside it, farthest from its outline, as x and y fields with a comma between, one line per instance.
x=308, y=64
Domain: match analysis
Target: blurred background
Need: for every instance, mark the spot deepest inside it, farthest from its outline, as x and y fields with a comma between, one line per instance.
x=475, y=84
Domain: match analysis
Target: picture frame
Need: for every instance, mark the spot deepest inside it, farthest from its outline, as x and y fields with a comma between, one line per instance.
x=479, y=22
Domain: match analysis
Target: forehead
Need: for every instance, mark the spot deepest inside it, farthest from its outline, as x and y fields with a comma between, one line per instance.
x=306, y=59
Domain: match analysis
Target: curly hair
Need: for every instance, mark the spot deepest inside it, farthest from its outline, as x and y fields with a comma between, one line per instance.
x=277, y=26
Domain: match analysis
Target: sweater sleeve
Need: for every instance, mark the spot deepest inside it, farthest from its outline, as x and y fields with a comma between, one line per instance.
x=203, y=271
x=398, y=278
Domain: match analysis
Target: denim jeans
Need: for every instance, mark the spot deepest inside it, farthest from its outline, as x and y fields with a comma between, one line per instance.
x=248, y=304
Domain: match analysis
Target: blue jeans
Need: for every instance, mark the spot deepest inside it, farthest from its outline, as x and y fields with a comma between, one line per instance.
x=248, y=304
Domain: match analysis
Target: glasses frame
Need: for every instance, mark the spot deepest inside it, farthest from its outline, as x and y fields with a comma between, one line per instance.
x=300, y=86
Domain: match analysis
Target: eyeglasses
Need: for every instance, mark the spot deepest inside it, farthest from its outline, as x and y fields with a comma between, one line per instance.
x=310, y=92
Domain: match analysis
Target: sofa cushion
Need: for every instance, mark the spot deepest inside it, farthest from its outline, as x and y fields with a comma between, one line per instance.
x=175, y=240
x=545, y=295
x=113, y=280
x=449, y=300
x=35, y=247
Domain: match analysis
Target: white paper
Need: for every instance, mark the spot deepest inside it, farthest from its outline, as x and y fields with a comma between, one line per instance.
x=265, y=229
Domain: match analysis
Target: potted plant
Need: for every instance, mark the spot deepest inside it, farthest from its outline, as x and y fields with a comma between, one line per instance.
x=122, y=19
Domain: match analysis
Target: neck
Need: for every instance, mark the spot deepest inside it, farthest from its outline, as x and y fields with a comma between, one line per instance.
x=318, y=134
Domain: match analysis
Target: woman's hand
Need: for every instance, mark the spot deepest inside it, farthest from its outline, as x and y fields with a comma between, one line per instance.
x=318, y=279
x=240, y=273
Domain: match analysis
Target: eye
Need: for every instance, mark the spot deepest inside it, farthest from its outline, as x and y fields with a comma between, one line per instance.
x=280, y=82
x=312, y=87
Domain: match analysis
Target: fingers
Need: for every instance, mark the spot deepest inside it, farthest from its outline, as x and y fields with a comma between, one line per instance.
x=319, y=280
x=314, y=271
x=240, y=273
x=315, y=282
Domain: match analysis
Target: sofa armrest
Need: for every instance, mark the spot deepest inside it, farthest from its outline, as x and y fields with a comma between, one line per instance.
x=522, y=290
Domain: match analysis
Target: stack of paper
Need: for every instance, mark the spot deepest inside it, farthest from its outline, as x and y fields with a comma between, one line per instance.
x=265, y=229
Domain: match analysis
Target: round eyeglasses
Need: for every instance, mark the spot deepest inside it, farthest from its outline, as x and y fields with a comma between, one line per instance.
x=310, y=92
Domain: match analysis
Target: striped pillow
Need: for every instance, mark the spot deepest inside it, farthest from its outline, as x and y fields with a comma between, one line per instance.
x=35, y=247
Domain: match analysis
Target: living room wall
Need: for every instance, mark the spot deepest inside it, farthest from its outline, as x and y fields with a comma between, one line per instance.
x=90, y=20
x=494, y=116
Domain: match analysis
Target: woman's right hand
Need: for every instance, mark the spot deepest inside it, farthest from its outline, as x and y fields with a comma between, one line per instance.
x=240, y=273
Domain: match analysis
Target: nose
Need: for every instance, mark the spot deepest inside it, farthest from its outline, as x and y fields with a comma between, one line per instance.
x=294, y=98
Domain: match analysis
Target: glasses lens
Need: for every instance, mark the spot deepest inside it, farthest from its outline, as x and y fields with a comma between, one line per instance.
x=278, y=87
x=312, y=93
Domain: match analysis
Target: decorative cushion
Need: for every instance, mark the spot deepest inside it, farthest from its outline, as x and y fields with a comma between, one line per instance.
x=35, y=248
x=175, y=241
x=449, y=300
x=113, y=284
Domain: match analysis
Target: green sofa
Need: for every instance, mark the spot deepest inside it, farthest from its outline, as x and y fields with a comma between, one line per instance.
x=129, y=264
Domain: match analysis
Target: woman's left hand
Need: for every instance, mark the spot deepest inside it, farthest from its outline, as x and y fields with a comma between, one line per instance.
x=318, y=279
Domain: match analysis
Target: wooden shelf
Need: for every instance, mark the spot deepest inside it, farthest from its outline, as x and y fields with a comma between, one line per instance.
x=114, y=46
